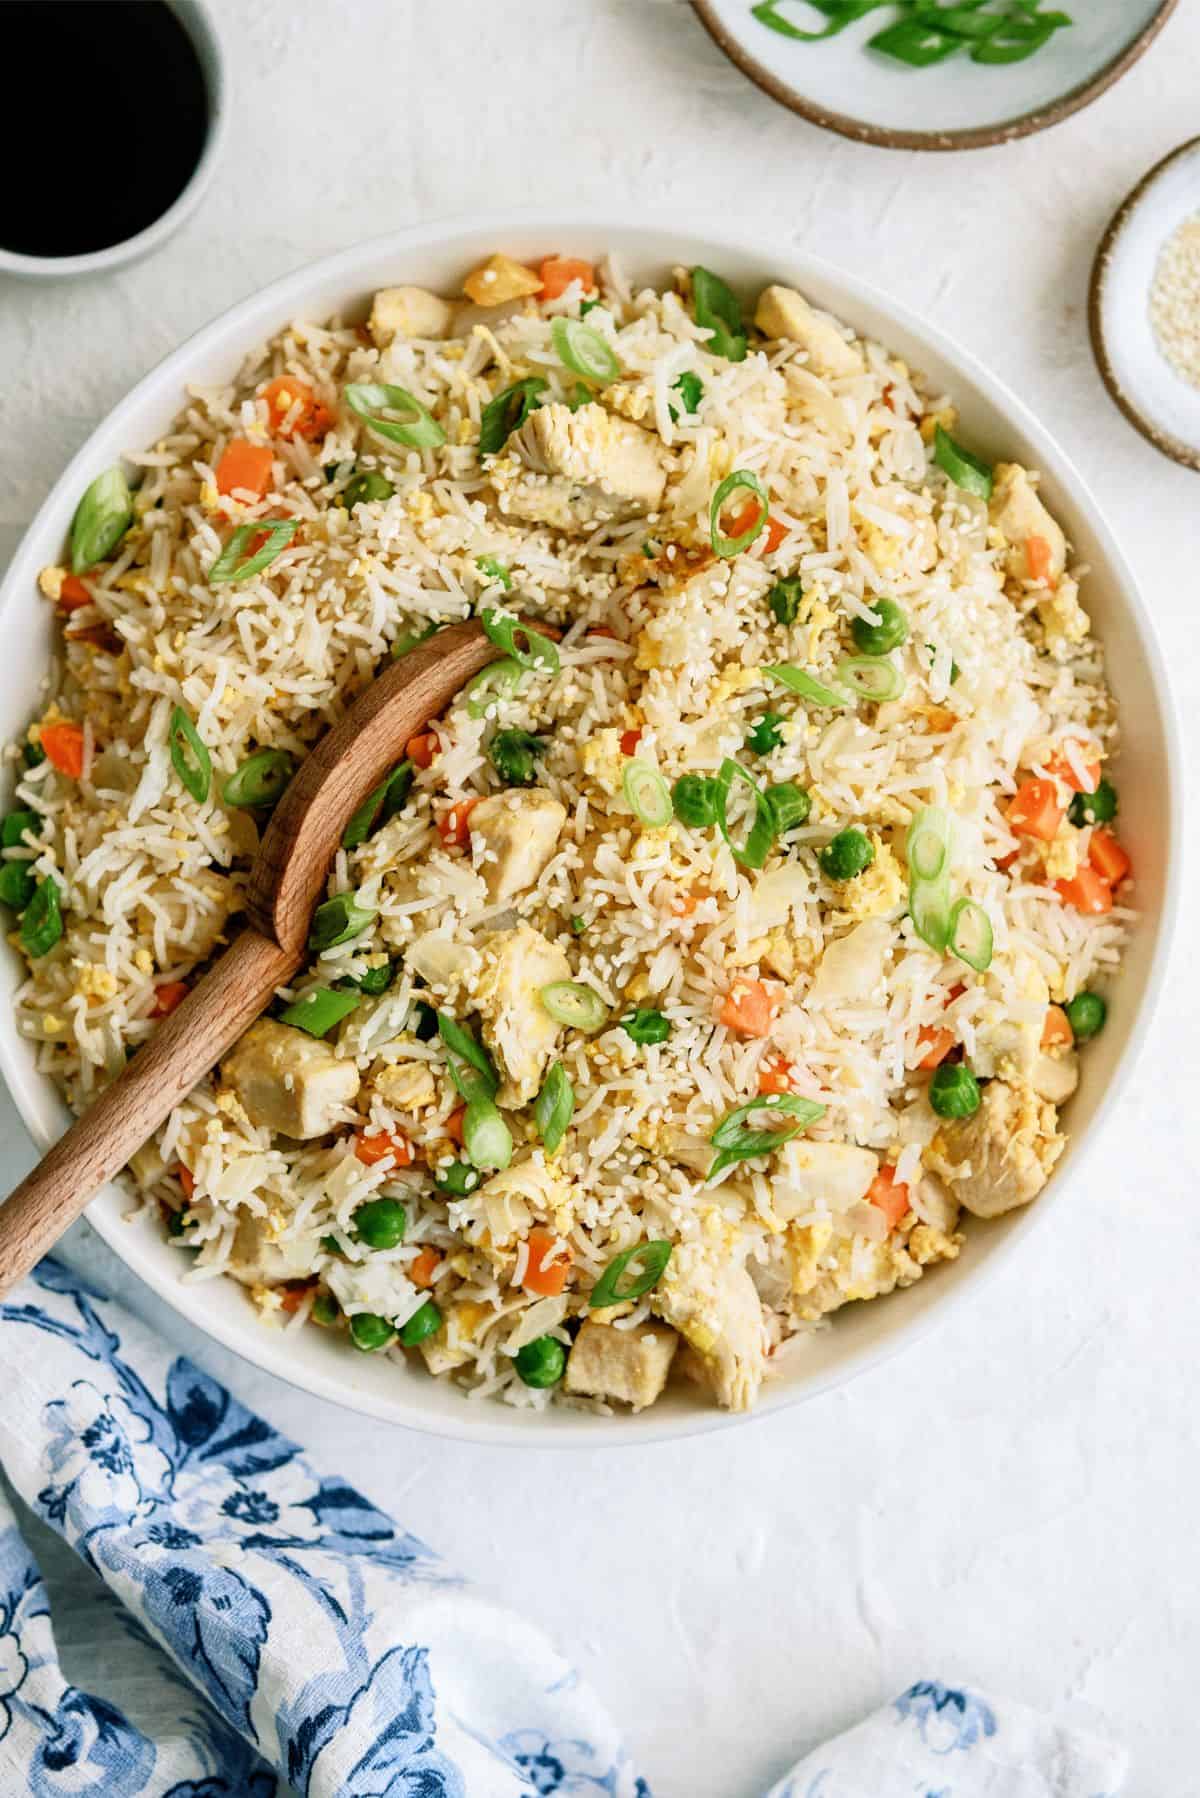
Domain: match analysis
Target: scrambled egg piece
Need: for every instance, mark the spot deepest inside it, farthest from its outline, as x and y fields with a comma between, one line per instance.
x=879, y=889
x=1063, y=618
x=1061, y=858
x=602, y=759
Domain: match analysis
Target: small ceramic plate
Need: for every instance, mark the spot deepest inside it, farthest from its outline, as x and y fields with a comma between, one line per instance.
x=951, y=105
x=1164, y=407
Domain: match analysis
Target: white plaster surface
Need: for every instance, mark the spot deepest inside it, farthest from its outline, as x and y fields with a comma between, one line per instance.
x=1014, y=1500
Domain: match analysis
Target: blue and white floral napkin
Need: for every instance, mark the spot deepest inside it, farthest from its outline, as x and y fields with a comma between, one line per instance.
x=272, y=1632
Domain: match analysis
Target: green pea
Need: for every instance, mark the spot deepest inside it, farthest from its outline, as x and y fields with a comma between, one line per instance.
x=646, y=1027
x=790, y=804
x=954, y=1091
x=42, y=925
x=1086, y=1014
x=850, y=853
x=367, y=486
x=888, y=634
x=541, y=1362
x=325, y=1310
x=784, y=600
x=338, y=920
x=1099, y=807
x=331, y=1245
x=17, y=885
x=425, y=1322
x=458, y=1179
x=369, y=1332
x=380, y=1223
x=34, y=755
x=766, y=734
x=15, y=826
x=695, y=800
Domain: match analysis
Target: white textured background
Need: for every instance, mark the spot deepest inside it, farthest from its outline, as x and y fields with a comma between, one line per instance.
x=1013, y=1502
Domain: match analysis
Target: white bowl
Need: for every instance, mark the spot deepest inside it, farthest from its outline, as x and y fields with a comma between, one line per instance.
x=956, y=104
x=996, y=423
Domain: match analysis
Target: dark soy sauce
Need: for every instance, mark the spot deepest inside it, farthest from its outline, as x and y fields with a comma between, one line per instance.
x=104, y=119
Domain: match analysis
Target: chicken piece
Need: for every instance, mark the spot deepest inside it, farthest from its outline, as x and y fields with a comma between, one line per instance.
x=1019, y=514
x=408, y=312
x=512, y=1201
x=713, y=1304
x=499, y=279
x=598, y=467
x=257, y=1259
x=513, y=836
x=405, y=1085
x=289, y=1081
x=1055, y=1077
x=630, y=1366
x=517, y=1028
x=1001, y=1157
x=782, y=312
x=836, y=1174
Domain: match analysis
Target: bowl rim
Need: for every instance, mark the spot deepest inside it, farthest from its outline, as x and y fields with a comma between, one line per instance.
x=887, y=137
x=233, y=332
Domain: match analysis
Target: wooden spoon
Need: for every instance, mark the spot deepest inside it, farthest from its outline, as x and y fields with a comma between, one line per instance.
x=286, y=881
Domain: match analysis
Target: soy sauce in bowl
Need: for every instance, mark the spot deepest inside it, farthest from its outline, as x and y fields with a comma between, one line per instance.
x=106, y=116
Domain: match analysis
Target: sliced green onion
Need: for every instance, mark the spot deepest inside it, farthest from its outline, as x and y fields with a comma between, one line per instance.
x=647, y=794
x=797, y=681
x=459, y=1179
x=374, y=981
x=425, y=1322
x=723, y=546
x=410, y=639
x=422, y=1020
x=695, y=798
x=499, y=680
x=414, y=427
x=33, y=754
x=738, y=1141
x=970, y=934
x=555, y=1107
x=753, y=852
x=572, y=1003
x=320, y=1010
x=690, y=389
x=643, y=1027
x=525, y=646
x=42, y=925
x=1015, y=38
x=717, y=310
x=339, y=920
x=260, y=779
x=649, y=1261
x=189, y=756
x=915, y=42
x=927, y=845
x=964, y=469
x=784, y=599
x=365, y=488
x=929, y=909
x=1099, y=807
x=578, y=925
x=582, y=349
x=508, y=412
x=487, y=1139
x=871, y=677
x=790, y=804
x=17, y=885
x=470, y=1066
x=513, y=754
x=839, y=12
x=381, y=804
x=495, y=571
x=102, y=517
x=237, y=562
x=16, y=826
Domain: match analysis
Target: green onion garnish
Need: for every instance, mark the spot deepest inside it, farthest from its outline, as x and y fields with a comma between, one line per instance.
x=717, y=310
x=555, y=1107
x=765, y=735
x=839, y=12
x=529, y=648
x=495, y=571
x=1099, y=807
x=648, y=1258
x=690, y=389
x=914, y=41
x=790, y=804
x=320, y=1010
x=238, y=562
x=927, y=845
x=422, y=1020
x=508, y=412
x=784, y=599
x=499, y=680
x=735, y=1140
x=487, y=1139
x=647, y=794
x=929, y=909
x=365, y=488
x=723, y=546
x=578, y=925
x=970, y=934
x=753, y=851
x=339, y=920
x=410, y=639
x=32, y=754
x=797, y=681
x=380, y=805
x=425, y=1322
x=513, y=754
x=102, y=517
x=17, y=885
x=260, y=779
x=695, y=797
x=572, y=1003
x=643, y=1027
x=964, y=469
x=582, y=349
x=189, y=756
x=870, y=677
x=374, y=980
x=15, y=827
x=42, y=925
x=394, y=413
x=887, y=631
x=470, y=1066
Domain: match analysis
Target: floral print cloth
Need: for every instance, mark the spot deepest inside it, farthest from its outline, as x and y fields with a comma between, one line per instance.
x=273, y=1633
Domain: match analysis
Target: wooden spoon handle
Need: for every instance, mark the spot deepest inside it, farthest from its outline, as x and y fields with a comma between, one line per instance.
x=181, y=1051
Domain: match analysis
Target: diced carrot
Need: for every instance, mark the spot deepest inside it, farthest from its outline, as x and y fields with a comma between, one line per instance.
x=602, y=630
x=775, y=534
x=935, y=1043
x=1005, y=862
x=187, y=1180
x=167, y=996
x=1108, y=858
x=63, y=744
x=453, y=826
x=1057, y=1029
x=746, y=517
x=1086, y=891
x=287, y=398
x=1034, y=811
x=373, y=1145
x=630, y=740
x=422, y=1270
x=939, y=719
x=73, y=594
x=453, y=1125
x=888, y=1196
x=1061, y=766
x=548, y=1280
x=422, y=748
x=956, y=992
x=295, y=1295
x=246, y=466
x=776, y=1076
x=748, y=1008
x=558, y=272
x=1037, y=558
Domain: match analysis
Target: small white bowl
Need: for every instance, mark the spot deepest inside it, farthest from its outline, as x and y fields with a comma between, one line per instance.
x=201, y=28
x=994, y=420
x=1161, y=403
x=952, y=105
